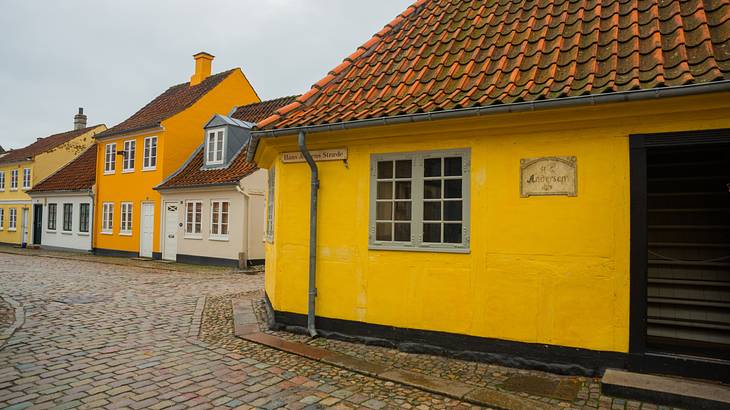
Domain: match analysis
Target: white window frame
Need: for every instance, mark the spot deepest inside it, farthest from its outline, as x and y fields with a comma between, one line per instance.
x=14, y=180
x=2, y=181
x=126, y=218
x=52, y=217
x=270, y=203
x=26, y=178
x=417, y=200
x=149, y=161
x=197, y=219
x=130, y=151
x=107, y=218
x=84, y=229
x=2, y=219
x=110, y=158
x=70, y=215
x=218, y=138
x=13, y=219
x=219, y=236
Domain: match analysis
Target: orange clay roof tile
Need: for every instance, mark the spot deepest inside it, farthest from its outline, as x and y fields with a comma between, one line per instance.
x=77, y=175
x=447, y=54
x=44, y=144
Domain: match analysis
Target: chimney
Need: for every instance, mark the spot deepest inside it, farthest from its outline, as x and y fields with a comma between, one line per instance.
x=80, y=120
x=203, y=64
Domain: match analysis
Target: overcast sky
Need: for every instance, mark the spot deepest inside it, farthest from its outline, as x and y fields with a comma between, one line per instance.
x=114, y=57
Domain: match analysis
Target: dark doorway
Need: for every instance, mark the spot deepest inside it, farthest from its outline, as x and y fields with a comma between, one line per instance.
x=37, y=223
x=680, y=250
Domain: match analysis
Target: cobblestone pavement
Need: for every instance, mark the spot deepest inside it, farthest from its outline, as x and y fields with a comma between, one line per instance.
x=7, y=315
x=110, y=336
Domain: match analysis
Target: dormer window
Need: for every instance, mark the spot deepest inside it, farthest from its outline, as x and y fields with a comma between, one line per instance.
x=214, y=147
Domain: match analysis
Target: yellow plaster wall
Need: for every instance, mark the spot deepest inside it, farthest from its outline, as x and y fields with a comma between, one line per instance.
x=549, y=270
x=180, y=135
x=41, y=166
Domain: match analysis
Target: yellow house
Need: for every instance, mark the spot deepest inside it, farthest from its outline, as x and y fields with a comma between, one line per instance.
x=480, y=180
x=135, y=156
x=21, y=169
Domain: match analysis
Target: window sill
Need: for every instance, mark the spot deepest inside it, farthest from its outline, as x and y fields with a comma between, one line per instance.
x=414, y=249
x=13, y=189
x=125, y=233
x=12, y=229
x=218, y=238
x=83, y=234
x=127, y=171
x=195, y=238
x=106, y=233
x=109, y=172
x=149, y=169
x=67, y=233
x=53, y=232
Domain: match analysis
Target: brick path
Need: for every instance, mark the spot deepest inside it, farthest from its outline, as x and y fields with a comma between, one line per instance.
x=101, y=335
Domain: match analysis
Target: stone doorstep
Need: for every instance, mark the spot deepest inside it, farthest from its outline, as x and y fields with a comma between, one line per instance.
x=246, y=327
x=670, y=391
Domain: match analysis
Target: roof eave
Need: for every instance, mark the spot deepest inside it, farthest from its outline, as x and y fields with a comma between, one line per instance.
x=138, y=130
x=179, y=187
x=591, y=99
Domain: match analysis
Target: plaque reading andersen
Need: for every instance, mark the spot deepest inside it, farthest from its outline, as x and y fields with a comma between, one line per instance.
x=548, y=176
x=318, y=155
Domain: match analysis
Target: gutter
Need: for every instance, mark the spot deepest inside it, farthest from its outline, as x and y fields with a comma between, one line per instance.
x=615, y=97
x=312, y=294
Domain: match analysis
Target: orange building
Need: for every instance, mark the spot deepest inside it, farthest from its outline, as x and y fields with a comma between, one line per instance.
x=137, y=154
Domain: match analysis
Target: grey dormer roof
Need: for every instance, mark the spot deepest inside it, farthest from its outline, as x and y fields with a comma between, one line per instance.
x=221, y=120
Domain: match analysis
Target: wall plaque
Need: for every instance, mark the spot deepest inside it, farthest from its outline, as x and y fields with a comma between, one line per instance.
x=548, y=176
x=337, y=154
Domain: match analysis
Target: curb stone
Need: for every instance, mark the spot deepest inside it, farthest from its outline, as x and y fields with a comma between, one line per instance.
x=197, y=319
x=19, y=320
x=246, y=327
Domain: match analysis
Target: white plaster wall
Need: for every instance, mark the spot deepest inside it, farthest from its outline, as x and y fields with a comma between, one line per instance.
x=59, y=238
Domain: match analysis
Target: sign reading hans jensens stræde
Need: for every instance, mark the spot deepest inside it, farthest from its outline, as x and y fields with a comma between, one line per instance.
x=337, y=154
x=548, y=176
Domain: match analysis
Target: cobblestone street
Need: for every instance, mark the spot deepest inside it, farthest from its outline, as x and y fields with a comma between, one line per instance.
x=101, y=335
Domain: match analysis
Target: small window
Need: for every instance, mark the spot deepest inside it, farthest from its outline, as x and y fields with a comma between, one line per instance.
x=219, y=219
x=2, y=180
x=68, y=212
x=129, y=153
x=13, y=220
x=26, y=178
x=215, y=147
x=110, y=158
x=270, y=206
x=84, y=218
x=52, y=209
x=149, y=162
x=2, y=219
x=107, y=218
x=193, y=218
x=420, y=201
x=14, y=180
x=125, y=226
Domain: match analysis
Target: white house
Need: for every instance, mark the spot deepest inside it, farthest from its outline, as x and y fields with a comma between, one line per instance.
x=66, y=202
x=214, y=204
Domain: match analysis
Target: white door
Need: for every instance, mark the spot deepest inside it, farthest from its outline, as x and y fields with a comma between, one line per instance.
x=24, y=226
x=169, y=251
x=147, y=229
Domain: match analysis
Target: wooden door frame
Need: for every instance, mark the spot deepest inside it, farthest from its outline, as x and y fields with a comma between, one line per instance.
x=141, y=230
x=163, y=233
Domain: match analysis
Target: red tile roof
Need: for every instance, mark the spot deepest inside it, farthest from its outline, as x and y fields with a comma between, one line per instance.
x=256, y=112
x=176, y=99
x=44, y=144
x=191, y=174
x=79, y=174
x=448, y=54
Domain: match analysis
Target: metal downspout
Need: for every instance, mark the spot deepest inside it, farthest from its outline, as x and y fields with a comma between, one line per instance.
x=312, y=234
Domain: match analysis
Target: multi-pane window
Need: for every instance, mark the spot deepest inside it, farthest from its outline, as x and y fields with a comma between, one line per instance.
x=2, y=180
x=193, y=217
x=68, y=212
x=14, y=180
x=110, y=158
x=84, y=217
x=270, y=206
x=2, y=219
x=215, y=147
x=420, y=200
x=26, y=178
x=219, y=219
x=107, y=217
x=149, y=160
x=129, y=153
x=13, y=219
x=52, y=209
x=125, y=226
